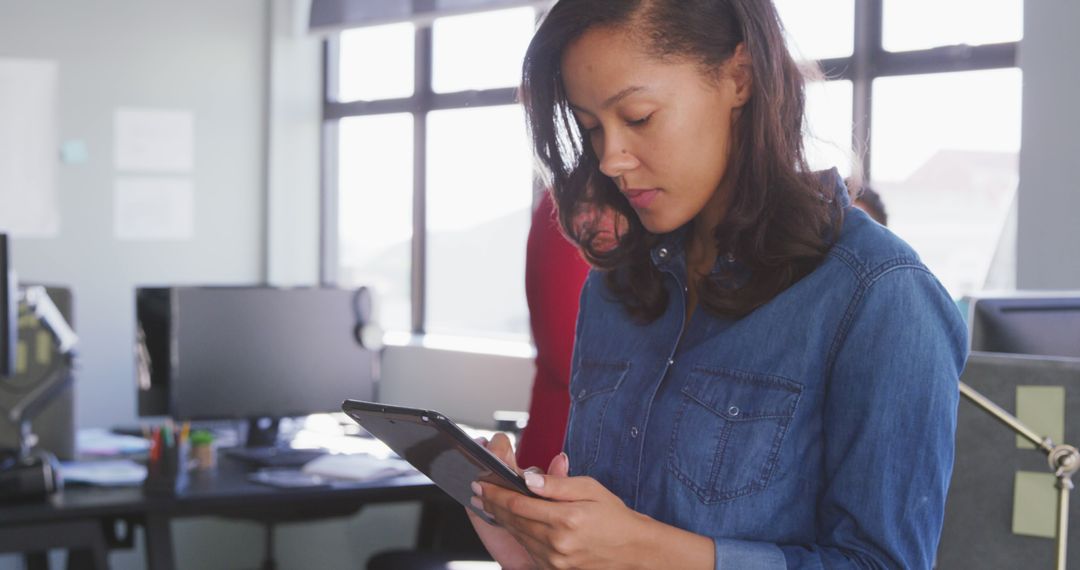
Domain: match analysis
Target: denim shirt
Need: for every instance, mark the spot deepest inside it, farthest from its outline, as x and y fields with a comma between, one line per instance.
x=815, y=432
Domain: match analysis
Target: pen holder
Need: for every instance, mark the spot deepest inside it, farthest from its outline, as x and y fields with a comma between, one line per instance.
x=166, y=472
x=203, y=456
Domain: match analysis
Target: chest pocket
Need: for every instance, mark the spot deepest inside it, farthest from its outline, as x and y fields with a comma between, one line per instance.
x=591, y=389
x=728, y=431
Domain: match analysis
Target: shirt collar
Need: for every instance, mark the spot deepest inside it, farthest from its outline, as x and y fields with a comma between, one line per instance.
x=671, y=246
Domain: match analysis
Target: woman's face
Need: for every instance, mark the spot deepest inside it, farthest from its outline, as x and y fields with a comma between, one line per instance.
x=661, y=129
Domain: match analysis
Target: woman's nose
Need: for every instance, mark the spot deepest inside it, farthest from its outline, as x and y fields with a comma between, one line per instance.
x=616, y=159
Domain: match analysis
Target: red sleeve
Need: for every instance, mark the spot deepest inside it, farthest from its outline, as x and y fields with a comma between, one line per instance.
x=554, y=275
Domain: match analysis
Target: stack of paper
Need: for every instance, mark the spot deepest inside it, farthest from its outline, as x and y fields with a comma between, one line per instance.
x=110, y=473
x=357, y=467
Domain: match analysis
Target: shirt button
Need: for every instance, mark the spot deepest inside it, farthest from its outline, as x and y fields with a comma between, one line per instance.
x=733, y=411
x=581, y=394
x=670, y=361
x=731, y=257
x=633, y=432
x=662, y=253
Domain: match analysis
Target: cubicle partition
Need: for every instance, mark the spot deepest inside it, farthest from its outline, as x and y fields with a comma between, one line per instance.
x=55, y=424
x=1001, y=508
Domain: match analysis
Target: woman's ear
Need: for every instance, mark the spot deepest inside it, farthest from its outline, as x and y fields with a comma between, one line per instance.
x=741, y=69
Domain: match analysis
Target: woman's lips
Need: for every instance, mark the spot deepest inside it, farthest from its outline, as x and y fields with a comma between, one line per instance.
x=640, y=198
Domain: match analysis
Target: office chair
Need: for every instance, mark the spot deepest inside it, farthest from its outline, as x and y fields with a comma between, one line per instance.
x=447, y=542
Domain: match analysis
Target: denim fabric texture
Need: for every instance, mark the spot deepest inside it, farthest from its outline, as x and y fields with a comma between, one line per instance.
x=816, y=432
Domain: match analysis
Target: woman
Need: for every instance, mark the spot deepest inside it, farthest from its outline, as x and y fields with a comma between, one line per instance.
x=762, y=377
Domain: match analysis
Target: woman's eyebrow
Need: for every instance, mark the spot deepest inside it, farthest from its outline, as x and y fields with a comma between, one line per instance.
x=623, y=94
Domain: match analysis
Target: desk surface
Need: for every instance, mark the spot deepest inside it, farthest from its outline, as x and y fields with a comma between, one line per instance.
x=225, y=491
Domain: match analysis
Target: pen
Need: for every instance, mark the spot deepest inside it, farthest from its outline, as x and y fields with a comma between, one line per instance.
x=169, y=427
x=155, y=445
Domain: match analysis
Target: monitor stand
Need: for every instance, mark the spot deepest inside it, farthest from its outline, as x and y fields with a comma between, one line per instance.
x=262, y=432
x=262, y=448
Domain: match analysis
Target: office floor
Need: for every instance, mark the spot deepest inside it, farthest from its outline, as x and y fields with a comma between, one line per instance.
x=217, y=544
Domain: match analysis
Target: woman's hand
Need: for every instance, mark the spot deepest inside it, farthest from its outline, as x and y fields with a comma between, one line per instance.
x=502, y=545
x=583, y=525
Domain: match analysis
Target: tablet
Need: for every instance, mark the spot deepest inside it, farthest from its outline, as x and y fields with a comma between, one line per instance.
x=438, y=448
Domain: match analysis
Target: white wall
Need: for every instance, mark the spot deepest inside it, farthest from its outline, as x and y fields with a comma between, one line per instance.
x=1048, y=236
x=205, y=56
x=295, y=121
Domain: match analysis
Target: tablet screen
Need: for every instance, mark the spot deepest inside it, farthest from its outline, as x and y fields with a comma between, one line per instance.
x=437, y=448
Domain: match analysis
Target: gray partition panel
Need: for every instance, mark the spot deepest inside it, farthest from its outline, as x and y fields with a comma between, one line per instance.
x=979, y=512
x=55, y=425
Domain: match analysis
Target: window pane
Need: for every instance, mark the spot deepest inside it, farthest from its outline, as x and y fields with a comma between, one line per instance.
x=828, y=120
x=924, y=24
x=375, y=185
x=944, y=157
x=376, y=63
x=480, y=51
x=819, y=29
x=478, y=211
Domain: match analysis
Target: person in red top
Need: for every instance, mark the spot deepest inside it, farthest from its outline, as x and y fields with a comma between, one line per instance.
x=554, y=275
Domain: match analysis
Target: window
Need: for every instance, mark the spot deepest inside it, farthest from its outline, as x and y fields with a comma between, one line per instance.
x=433, y=220
x=436, y=222
x=923, y=24
x=362, y=77
x=946, y=149
x=479, y=210
x=934, y=129
x=820, y=29
x=461, y=62
x=828, y=126
x=375, y=187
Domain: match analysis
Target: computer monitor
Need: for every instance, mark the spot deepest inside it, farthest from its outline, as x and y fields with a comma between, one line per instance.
x=1000, y=511
x=9, y=310
x=1039, y=325
x=212, y=353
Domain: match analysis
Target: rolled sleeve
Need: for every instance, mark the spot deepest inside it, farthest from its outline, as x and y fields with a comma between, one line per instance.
x=734, y=554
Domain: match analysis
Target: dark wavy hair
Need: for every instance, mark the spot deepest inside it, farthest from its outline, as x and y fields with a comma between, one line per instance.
x=780, y=217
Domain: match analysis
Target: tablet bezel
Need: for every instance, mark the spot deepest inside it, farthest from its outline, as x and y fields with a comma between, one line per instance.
x=502, y=474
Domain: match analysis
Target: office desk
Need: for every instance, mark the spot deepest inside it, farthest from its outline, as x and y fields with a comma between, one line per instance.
x=80, y=517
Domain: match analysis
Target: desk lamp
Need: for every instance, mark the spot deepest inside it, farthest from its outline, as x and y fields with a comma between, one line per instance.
x=1064, y=461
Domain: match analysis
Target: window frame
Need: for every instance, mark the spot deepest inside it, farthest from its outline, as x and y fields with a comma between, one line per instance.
x=868, y=61
x=423, y=101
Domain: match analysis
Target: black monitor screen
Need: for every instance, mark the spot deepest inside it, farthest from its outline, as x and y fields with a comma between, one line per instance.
x=248, y=352
x=9, y=310
x=152, y=332
x=1039, y=326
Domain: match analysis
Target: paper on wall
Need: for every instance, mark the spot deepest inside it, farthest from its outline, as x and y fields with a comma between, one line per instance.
x=28, y=125
x=154, y=140
x=1035, y=504
x=152, y=208
x=1041, y=408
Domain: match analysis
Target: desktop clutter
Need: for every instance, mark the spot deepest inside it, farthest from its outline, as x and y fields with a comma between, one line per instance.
x=247, y=352
x=164, y=458
x=168, y=460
